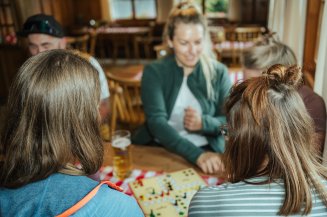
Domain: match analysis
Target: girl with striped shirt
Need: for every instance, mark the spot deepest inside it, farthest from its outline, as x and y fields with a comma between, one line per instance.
x=270, y=162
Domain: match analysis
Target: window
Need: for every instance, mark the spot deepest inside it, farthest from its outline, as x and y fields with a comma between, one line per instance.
x=133, y=9
x=212, y=8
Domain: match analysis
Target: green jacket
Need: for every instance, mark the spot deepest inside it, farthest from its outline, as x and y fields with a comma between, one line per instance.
x=160, y=86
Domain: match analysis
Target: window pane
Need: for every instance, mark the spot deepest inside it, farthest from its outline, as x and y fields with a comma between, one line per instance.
x=216, y=8
x=145, y=9
x=121, y=9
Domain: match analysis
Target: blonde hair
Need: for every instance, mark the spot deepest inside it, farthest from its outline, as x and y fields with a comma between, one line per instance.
x=53, y=120
x=267, y=52
x=272, y=134
x=188, y=13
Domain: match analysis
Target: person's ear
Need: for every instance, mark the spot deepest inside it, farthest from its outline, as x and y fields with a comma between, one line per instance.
x=63, y=43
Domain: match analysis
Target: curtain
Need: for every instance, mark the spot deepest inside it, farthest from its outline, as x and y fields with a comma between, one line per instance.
x=287, y=19
x=320, y=86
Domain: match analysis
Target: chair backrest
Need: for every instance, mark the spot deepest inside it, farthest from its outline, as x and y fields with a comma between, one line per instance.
x=162, y=50
x=92, y=45
x=248, y=33
x=217, y=34
x=78, y=42
x=125, y=102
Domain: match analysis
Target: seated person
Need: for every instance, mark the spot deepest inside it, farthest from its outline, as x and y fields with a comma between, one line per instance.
x=183, y=93
x=43, y=33
x=270, y=166
x=269, y=52
x=52, y=124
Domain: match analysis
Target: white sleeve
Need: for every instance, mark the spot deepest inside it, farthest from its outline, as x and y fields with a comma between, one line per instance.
x=103, y=80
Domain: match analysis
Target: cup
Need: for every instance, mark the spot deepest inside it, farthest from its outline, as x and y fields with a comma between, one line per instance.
x=122, y=162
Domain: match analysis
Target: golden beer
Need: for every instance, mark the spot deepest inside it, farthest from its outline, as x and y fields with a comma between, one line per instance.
x=122, y=165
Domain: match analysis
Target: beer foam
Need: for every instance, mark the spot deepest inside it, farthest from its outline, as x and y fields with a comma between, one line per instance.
x=121, y=143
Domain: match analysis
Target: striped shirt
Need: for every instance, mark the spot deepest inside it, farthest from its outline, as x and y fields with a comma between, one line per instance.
x=242, y=199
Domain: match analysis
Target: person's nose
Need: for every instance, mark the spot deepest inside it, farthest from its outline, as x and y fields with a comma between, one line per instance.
x=192, y=48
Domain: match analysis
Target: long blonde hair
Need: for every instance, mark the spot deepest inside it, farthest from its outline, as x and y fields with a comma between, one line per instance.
x=272, y=134
x=53, y=120
x=187, y=12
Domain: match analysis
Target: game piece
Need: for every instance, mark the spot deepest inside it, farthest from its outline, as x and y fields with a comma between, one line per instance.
x=152, y=214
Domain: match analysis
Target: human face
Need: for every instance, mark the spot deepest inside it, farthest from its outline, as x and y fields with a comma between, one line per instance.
x=251, y=73
x=187, y=43
x=38, y=43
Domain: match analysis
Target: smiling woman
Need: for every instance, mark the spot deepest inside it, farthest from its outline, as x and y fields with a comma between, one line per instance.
x=183, y=93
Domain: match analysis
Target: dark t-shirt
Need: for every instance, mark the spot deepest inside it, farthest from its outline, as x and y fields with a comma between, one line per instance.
x=315, y=105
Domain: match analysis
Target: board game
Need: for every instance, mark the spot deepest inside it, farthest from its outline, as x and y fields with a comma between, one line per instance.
x=167, y=195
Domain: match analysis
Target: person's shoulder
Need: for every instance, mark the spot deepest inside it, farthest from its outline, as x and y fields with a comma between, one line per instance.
x=161, y=64
x=308, y=94
x=160, y=69
x=219, y=67
x=116, y=202
x=81, y=184
x=209, y=191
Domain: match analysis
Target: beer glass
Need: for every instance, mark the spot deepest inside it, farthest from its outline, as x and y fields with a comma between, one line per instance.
x=122, y=165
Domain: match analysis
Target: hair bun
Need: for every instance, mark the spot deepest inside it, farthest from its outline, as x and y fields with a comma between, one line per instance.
x=280, y=74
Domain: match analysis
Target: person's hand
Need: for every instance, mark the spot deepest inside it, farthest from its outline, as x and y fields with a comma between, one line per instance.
x=192, y=119
x=210, y=162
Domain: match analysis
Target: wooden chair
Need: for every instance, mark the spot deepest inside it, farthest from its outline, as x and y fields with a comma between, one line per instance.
x=91, y=41
x=162, y=50
x=244, y=34
x=146, y=42
x=237, y=39
x=78, y=42
x=125, y=102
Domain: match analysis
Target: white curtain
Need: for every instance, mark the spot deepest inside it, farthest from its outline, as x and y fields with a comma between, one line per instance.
x=320, y=86
x=287, y=19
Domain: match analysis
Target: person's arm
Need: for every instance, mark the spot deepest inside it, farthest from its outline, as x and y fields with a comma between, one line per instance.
x=211, y=124
x=157, y=117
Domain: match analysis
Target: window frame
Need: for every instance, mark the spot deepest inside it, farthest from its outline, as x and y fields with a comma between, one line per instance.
x=134, y=19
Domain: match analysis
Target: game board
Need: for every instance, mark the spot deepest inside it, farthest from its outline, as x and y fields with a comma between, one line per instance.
x=167, y=195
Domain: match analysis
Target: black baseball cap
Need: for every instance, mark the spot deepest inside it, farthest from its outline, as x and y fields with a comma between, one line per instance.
x=42, y=23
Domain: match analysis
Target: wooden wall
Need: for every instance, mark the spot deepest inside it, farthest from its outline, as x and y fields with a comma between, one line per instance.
x=67, y=12
x=11, y=58
x=254, y=12
x=310, y=41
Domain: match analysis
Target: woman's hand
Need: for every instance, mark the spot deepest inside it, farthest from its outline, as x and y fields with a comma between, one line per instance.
x=192, y=119
x=210, y=162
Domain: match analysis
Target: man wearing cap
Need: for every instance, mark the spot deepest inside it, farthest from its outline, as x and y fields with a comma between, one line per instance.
x=43, y=33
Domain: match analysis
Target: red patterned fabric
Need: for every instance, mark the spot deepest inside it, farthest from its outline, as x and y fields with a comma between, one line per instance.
x=106, y=174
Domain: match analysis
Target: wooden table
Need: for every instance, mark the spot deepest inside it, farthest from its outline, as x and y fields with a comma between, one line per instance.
x=128, y=72
x=153, y=158
x=134, y=73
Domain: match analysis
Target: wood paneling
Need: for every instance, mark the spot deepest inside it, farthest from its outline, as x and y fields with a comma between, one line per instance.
x=310, y=42
x=254, y=12
x=11, y=58
x=62, y=10
x=85, y=10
